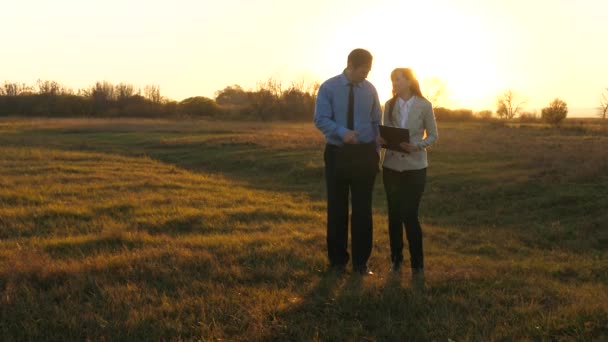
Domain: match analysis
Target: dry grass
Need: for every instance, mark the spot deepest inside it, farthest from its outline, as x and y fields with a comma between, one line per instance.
x=130, y=229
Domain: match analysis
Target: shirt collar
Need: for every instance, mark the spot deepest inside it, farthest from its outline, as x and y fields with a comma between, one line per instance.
x=345, y=81
x=409, y=102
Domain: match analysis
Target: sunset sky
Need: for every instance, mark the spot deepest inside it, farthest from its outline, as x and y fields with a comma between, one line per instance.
x=541, y=49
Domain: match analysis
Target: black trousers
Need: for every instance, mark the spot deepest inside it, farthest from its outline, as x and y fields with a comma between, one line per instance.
x=350, y=169
x=403, y=192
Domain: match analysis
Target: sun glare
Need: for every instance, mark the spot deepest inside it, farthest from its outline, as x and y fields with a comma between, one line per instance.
x=439, y=55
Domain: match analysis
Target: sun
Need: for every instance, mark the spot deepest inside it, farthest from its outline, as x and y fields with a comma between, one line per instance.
x=456, y=57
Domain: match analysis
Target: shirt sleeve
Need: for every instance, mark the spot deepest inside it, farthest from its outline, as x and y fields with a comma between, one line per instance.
x=430, y=125
x=324, y=118
x=376, y=113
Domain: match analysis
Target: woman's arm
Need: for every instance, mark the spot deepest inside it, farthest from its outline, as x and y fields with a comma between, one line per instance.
x=379, y=139
x=430, y=125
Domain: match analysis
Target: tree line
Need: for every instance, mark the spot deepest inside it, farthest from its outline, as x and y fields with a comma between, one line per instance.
x=270, y=100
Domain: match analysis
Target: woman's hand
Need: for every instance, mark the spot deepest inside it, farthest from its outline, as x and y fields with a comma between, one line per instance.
x=380, y=140
x=408, y=147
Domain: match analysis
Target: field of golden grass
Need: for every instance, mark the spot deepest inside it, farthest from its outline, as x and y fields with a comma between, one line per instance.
x=129, y=229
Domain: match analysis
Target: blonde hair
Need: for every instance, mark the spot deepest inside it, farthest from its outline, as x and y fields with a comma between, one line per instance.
x=409, y=75
x=414, y=87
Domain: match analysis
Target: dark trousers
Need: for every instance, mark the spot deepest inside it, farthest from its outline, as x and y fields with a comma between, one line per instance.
x=404, y=191
x=350, y=168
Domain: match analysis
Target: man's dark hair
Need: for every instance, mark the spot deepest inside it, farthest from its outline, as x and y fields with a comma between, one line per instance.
x=359, y=57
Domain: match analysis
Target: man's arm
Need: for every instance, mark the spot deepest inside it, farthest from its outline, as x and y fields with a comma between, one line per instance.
x=376, y=113
x=324, y=118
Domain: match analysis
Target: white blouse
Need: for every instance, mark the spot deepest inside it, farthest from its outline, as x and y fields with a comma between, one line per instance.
x=404, y=110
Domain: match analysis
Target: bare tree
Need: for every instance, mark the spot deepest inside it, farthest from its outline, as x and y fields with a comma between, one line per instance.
x=51, y=88
x=103, y=92
x=14, y=89
x=313, y=89
x=102, y=95
x=264, y=101
x=435, y=89
x=297, y=101
x=604, y=104
x=508, y=106
x=124, y=91
x=273, y=86
x=152, y=93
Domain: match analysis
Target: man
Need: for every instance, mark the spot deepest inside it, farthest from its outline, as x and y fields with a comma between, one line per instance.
x=348, y=113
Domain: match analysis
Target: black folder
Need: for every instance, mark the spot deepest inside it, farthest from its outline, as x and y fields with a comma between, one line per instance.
x=394, y=136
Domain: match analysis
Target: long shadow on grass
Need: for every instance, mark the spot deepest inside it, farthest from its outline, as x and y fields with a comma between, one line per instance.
x=193, y=291
x=343, y=307
x=457, y=310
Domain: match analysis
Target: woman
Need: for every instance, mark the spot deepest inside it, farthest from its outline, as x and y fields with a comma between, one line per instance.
x=404, y=173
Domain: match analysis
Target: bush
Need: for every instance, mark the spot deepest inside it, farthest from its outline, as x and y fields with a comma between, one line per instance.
x=484, y=114
x=198, y=106
x=232, y=96
x=445, y=114
x=297, y=104
x=529, y=117
x=555, y=113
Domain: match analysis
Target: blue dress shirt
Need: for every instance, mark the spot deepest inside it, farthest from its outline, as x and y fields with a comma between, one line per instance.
x=332, y=106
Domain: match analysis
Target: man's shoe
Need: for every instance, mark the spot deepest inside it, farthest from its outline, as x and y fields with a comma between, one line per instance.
x=418, y=278
x=337, y=269
x=418, y=272
x=363, y=270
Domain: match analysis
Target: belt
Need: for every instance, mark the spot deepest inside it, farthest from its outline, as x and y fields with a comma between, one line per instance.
x=332, y=146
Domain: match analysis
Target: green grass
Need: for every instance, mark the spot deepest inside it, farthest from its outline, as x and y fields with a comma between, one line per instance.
x=125, y=229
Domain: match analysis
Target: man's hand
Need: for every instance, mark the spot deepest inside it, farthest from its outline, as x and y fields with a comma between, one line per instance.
x=350, y=137
x=408, y=147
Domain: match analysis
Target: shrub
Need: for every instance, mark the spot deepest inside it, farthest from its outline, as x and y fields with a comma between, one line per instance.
x=484, y=114
x=529, y=117
x=445, y=114
x=198, y=106
x=555, y=113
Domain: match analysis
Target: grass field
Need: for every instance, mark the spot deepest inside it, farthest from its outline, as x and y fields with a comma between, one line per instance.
x=130, y=229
